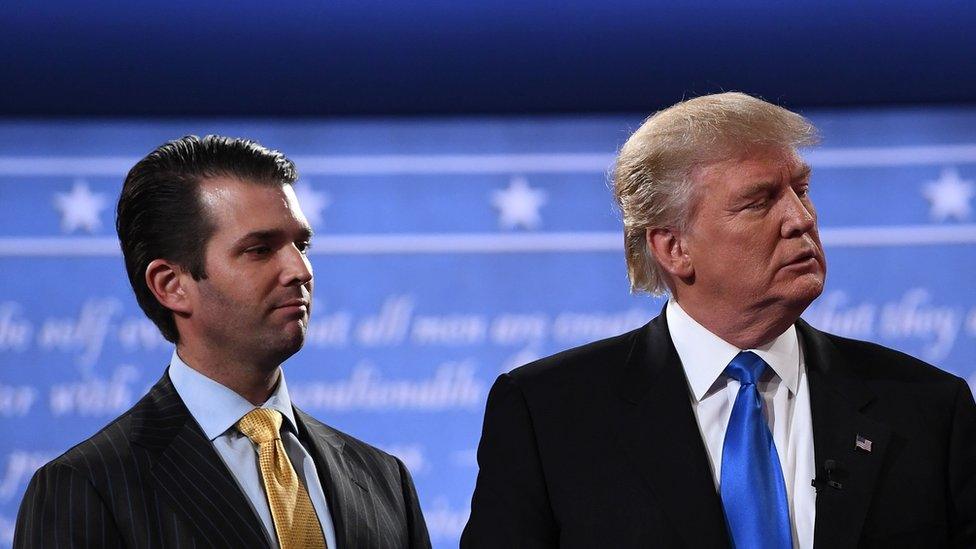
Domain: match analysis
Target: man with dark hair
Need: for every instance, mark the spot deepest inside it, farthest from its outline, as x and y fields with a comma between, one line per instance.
x=215, y=455
x=727, y=420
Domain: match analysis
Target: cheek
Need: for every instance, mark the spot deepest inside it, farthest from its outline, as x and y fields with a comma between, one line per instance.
x=241, y=275
x=755, y=259
x=237, y=283
x=214, y=297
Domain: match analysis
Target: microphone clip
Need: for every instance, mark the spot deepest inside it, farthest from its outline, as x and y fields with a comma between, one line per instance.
x=832, y=475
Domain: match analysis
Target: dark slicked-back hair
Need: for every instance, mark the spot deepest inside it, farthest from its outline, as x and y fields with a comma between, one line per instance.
x=160, y=214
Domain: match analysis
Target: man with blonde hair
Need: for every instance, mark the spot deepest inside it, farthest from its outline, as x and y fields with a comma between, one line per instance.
x=727, y=420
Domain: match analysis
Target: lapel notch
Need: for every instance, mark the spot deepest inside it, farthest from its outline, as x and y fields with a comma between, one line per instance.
x=189, y=475
x=664, y=440
x=345, y=483
x=838, y=402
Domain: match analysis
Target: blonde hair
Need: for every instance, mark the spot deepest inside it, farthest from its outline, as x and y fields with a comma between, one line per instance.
x=652, y=177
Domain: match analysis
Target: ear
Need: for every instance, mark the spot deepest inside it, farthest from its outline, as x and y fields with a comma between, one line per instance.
x=669, y=250
x=167, y=281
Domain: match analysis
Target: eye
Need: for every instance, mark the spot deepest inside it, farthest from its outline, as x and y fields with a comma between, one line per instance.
x=803, y=191
x=258, y=250
x=304, y=247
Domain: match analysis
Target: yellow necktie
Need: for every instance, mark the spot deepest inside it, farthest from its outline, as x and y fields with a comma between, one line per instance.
x=291, y=509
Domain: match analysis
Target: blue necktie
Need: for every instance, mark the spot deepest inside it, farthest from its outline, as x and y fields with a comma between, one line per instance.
x=753, y=490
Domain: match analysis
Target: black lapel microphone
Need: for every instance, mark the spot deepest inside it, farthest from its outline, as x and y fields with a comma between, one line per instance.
x=829, y=475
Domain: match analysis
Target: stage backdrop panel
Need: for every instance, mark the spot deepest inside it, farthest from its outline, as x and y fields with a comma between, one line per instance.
x=447, y=252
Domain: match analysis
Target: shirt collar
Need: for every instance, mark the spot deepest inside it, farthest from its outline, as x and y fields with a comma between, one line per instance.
x=704, y=355
x=218, y=408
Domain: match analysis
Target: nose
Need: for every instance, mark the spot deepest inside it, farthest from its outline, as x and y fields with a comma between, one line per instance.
x=296, y=269
x=799, y=217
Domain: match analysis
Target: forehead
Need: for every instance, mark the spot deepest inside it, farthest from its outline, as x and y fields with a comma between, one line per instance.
x=237, y=205
x=750, y=167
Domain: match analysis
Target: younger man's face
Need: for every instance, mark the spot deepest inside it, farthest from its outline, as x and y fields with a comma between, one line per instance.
x=256, y=298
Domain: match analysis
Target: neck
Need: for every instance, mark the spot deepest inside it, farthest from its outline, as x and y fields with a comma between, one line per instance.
x=744, y=328
x=255, y=381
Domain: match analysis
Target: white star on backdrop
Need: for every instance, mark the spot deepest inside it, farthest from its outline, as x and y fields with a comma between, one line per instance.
x=81, y=208
x=518, y=205
x=312, y=202
x=949, y=195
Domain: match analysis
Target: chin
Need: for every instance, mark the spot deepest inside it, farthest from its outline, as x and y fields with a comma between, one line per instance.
x=286, y=343
x=805, y=289
x=293, y=344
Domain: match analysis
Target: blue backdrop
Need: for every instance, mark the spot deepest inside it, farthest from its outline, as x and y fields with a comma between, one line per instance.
x=447, y=252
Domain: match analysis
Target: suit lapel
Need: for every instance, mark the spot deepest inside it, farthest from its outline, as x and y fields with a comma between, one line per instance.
x=344, y=482
x=664, y=441
x=838, y=402
x=189, y=475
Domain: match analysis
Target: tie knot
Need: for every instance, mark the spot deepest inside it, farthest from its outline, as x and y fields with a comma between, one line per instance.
x=746, y=368
x=261, y=425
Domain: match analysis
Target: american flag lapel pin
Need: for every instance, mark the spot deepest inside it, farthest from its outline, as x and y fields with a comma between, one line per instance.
x=862, y=443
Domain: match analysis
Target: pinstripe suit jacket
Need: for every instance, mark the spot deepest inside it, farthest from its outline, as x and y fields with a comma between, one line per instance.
x=152, y=479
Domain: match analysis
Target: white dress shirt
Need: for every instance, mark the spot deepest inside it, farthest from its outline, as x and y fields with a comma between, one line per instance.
x=217, y=409
x=786, y=402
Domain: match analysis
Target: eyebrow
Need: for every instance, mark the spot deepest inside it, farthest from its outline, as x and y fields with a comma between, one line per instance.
x=271, y=234
x=803, y=172
x=761, y=187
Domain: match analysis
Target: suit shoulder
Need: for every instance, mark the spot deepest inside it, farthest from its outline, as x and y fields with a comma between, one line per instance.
x=109, y=447
x=886, y=371
x=593, y=359
x=874, y=360
x=364, y=450
x=111, y=441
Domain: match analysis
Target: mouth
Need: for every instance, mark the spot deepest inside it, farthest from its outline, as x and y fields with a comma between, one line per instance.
x=293, y=305
x=803, y=259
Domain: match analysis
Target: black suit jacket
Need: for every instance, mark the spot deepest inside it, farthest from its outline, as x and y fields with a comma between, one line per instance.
x=598, y=447
x=151, y=478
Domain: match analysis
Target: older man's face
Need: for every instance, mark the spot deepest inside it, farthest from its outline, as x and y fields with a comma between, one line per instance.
x=753, y=238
